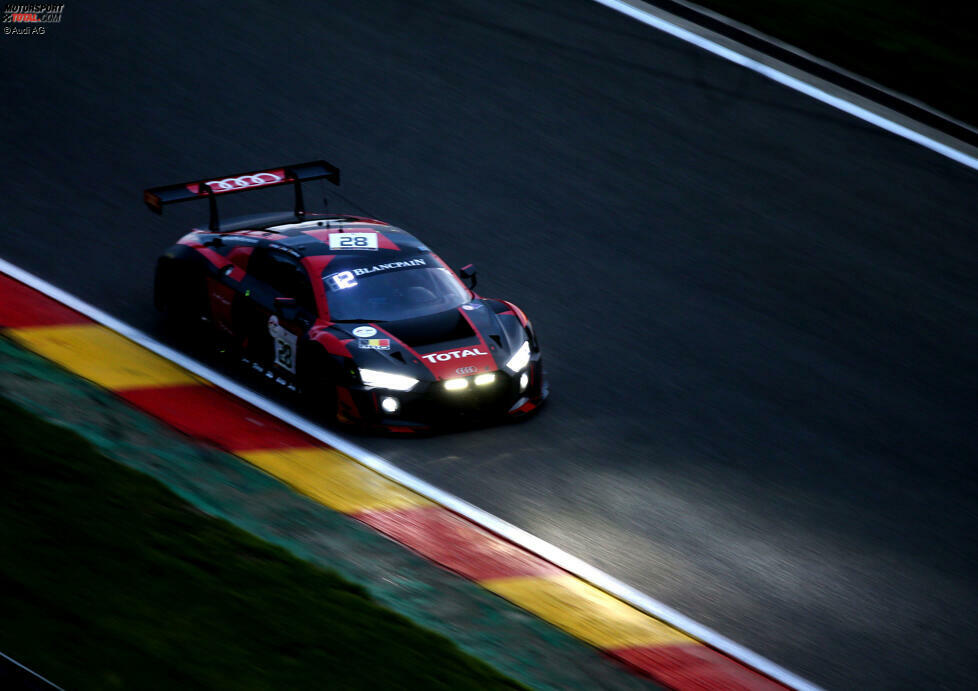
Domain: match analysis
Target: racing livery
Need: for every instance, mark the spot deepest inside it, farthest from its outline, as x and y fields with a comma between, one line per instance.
x=357, y=315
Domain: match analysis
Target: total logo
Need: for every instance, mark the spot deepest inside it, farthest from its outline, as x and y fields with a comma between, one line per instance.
x=454, y=355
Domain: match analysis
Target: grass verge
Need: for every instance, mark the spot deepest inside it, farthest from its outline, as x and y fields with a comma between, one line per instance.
x=922, y=49
x=110, y=580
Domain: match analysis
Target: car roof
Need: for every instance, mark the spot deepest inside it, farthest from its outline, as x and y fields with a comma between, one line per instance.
x=309, y=234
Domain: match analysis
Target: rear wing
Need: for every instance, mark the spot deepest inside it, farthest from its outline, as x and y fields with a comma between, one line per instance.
x=156, y=197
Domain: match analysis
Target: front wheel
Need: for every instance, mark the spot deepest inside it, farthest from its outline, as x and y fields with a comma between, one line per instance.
x=316, y=380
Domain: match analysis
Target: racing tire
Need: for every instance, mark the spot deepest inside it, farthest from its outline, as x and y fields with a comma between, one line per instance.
x=179, y=292
x=316, y=378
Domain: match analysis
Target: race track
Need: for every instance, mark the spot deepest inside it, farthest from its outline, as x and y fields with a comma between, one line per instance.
x=758, y=313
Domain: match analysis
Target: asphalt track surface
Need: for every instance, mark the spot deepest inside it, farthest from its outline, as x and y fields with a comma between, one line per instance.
x=758, y=313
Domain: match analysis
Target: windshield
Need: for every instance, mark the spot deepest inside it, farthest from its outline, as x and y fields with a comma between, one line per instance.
x=392, y=295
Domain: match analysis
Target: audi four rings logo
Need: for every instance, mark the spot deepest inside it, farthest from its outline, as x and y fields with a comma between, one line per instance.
x=467, y=370
x=254, y=180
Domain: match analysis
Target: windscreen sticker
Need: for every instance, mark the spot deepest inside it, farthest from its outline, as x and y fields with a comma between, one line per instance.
x=341, y=280
x=388, y=266
x=285, y=248
x=283, y=342
x=348, y=279
x=353, y=241
x=375, y=343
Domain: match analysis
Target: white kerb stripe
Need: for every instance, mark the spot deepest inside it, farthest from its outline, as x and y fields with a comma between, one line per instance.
x=842, y=104
x=516, y=535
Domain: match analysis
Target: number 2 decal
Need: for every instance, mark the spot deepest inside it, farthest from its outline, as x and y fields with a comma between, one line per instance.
x=341, y=281
x=283, y=354
x=283, y=341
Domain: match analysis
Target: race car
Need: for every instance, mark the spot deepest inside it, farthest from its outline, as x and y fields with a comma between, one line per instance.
x=357, y=315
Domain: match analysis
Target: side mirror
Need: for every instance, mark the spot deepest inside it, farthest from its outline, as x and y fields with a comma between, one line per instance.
x=286, y=307
x=468, y=272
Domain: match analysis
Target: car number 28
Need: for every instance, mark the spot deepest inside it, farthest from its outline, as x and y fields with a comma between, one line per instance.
x=353, y=241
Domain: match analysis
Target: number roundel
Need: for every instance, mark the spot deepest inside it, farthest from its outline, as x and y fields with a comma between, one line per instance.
x=353, y=241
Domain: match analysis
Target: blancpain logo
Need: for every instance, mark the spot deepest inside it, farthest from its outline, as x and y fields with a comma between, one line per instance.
x=453, y=354
x=391, y=265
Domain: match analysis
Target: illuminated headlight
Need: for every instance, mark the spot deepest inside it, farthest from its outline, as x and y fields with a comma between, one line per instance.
x=390, y=404
x=456, y=384
x=524, y=380
x=387, y=380
x=485, y=379
x=520, y=359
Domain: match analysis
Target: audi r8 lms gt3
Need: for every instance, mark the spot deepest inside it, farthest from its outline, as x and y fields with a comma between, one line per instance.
x=356, y=314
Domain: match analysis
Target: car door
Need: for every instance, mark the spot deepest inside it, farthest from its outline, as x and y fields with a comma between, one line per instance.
x=225, y=288
x=270, y=325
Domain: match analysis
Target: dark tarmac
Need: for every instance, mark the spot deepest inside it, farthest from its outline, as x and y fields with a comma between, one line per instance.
x=758, y=313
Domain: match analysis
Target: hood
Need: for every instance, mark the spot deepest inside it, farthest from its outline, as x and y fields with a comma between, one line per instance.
x=433, y=331
x=453, y=343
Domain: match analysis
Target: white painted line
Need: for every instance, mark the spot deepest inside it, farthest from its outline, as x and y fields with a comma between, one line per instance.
x=647, y=17
x=485, y=519
x=31, y=671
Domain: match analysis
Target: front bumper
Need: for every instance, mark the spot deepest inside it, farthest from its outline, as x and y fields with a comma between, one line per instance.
x=429, y=405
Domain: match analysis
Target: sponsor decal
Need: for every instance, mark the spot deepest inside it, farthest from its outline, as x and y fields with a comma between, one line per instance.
x=364, y=331
x=471, y=369
x=375, y=343
x=453, y=355
x=243, y=181
x=388, y=266
x=341, y=280
x=285, y=248
x=348, y=279
x=353, y=241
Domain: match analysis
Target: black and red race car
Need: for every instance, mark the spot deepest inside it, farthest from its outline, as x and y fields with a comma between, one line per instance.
x=356, y=314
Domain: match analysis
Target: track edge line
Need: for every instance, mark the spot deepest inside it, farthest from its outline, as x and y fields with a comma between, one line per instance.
x=480, y=517
x=635, y=10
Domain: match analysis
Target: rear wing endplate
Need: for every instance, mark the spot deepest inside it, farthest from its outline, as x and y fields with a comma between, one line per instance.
x=156, y=197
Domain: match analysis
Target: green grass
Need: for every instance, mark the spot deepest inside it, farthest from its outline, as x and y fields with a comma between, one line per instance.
x=109, y=580
x=925, y=50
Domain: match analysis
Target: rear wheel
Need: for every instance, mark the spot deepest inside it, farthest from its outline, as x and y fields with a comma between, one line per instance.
x=179, y=293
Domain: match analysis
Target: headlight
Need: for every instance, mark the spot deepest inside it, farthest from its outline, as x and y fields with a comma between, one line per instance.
x=387, y=380
x=456, y=384
x=520, y=359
